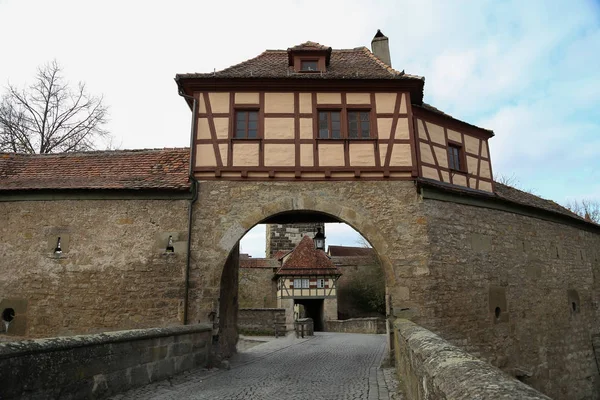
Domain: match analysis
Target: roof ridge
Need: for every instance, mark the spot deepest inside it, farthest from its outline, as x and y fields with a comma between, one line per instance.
x=94, y=152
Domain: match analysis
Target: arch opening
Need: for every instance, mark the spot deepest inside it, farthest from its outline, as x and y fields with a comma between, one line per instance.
x=250, y=282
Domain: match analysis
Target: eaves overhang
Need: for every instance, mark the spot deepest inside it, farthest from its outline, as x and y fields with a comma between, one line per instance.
x=190, y=85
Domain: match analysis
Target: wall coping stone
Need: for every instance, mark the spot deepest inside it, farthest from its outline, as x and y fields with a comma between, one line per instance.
x=455, y=373
x=32, y=346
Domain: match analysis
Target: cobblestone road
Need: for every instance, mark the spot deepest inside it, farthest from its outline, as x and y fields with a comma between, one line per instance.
x=325, y=366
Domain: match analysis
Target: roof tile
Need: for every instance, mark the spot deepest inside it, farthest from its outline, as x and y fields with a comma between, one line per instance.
x=305, y=259
x=357, y=63
x=165, y=169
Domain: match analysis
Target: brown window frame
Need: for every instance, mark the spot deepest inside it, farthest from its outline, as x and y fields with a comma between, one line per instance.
x=345, y=123
x=329, y=124
x=310, y=60
x=247, y=122
x=359, y=112
x=456, y=158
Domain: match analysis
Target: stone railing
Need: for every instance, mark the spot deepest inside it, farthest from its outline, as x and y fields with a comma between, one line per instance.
x=99, y=365
x=356, y=325
x=431, y=368
x=261, y=321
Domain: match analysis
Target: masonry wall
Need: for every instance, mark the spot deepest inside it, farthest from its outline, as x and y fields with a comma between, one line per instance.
x=431, y=368
x=257, y=288
x=113, y=272
x=517, y=291
x=262, y=321
x=99, y=365
x=371, y=325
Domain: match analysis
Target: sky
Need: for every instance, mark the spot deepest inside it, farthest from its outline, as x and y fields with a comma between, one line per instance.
x=528, y=70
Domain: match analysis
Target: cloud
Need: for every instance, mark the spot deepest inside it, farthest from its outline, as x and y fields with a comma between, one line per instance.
x=527, y=70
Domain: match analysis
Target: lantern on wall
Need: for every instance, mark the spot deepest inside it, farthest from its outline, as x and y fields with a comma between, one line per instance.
x=319, y=240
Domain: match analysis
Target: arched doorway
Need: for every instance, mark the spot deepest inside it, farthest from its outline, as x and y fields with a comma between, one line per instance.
x=387, y=214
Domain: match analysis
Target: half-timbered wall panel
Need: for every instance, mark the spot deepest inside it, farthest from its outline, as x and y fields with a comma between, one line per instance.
x=284, y=135
x=286, y=288
x=437, y=161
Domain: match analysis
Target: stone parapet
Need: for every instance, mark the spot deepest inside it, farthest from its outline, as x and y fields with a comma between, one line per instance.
x=262, y=321
x=99, y=365
x=356, y=325
x=431, y=368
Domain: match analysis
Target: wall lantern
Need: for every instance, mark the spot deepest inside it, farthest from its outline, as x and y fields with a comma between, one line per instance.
x=319, y=240
x=58, y=249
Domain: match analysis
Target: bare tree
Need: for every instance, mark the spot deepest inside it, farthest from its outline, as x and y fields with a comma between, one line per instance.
x=587, y=209
x=512, y=181
x=49, y=116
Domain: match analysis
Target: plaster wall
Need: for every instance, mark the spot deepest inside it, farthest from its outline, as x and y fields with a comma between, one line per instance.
x=287, y=144
x=433, y=140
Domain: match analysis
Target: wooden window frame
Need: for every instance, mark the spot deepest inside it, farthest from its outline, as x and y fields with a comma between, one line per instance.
x=359, y=111
x=461, y=156
x=319, y=280
x=329, y=124
x=345, y=122
x=320, y=59
x=311, y=60
x=235, y=123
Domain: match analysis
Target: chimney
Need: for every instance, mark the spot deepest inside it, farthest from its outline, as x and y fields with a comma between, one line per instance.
x=380, y=46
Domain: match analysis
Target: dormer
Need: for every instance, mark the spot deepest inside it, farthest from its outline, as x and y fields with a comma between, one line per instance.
x=309, y=57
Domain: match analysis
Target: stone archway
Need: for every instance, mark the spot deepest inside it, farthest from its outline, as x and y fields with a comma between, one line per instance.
x=387, y=213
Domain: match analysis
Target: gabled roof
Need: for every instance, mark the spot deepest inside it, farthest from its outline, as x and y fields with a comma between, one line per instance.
x=357, y=63
x=145, y=169
x=305, y=259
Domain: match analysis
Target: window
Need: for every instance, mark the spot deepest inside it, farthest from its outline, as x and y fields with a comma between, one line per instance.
x=454, y=155
x=359, y=125
x=330, y=125
x=320, y=283
x=309, y=65
x=301, y=283
x=246, y=124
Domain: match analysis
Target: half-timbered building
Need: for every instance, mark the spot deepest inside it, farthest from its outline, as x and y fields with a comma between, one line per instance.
x=307, y=277
x=314, y=113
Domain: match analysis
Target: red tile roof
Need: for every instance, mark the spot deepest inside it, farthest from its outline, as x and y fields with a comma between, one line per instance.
x=145, y=169
x=357, y=63
x=305, y=259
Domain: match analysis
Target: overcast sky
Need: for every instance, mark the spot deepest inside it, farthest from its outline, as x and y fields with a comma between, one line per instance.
x=529, y=70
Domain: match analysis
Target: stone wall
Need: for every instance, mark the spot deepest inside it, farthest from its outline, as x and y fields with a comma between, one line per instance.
x=261, y=321
x=387, y=213
x=257, y=289
x=517, y=291
x=113, y=272
x=356, y=325
x=447, y=266
x=96, y=366
x=431, y=368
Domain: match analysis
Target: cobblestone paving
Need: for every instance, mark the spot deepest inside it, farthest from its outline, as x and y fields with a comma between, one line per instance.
x=326, y=366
